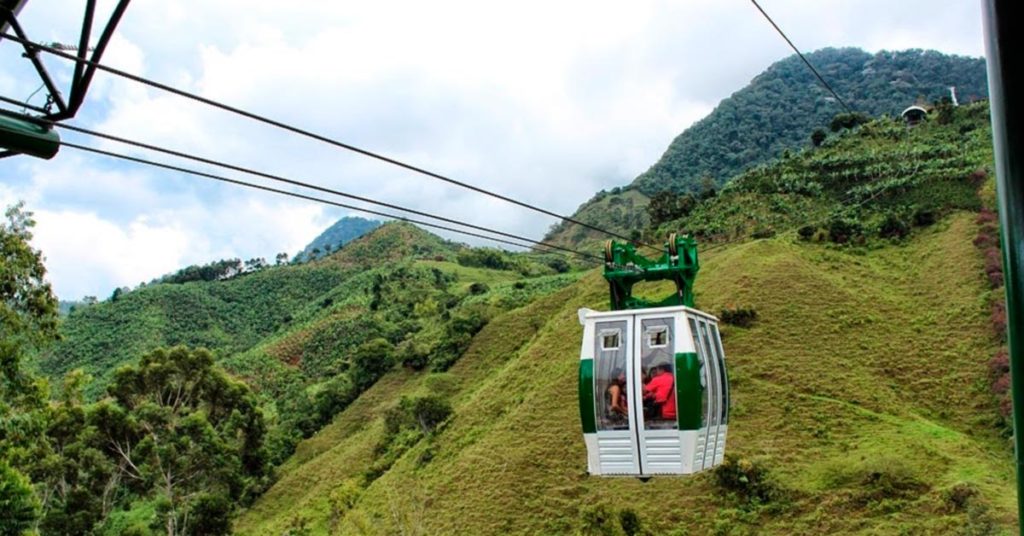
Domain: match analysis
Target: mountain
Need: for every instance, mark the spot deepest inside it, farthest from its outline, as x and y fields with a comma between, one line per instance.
x=337, y=235
x=862, y=395
x=778, y=110
x=413, y=385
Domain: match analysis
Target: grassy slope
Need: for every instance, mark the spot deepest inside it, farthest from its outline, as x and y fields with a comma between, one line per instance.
x=860, y=365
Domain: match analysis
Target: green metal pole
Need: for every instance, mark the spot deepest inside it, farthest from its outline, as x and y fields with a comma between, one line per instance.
x=1007, y=128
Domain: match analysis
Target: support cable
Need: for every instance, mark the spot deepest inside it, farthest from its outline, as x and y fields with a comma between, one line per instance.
x=798, y=53
x=329, y=202
x=312, y=135
x=294, y=182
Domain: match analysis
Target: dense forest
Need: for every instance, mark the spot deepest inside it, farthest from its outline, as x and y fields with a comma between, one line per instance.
x=782, y=106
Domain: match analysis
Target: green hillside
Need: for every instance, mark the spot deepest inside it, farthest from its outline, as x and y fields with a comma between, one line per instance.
x=880, y=179
x=778, y=110
x=228, y=316
x=861, y=393
x=411, y=385
x=310, y=338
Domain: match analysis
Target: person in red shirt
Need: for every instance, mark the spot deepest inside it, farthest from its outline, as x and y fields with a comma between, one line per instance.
x=661, y=390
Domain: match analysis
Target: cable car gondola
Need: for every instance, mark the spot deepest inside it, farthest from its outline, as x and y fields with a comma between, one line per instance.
x=653, y=388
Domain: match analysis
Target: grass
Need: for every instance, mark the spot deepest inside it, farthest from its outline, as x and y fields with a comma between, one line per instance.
x=860, y=387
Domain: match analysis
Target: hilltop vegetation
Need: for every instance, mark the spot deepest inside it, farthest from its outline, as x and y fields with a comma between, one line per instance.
x=781, y=106
x=877, y=180
x=336, y=236
x=306, y=339
x=778, y=111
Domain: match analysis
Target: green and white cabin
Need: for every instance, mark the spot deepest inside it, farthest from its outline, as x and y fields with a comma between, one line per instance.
x=669, y=364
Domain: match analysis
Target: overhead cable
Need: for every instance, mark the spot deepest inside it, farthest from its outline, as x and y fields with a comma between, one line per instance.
x=329, y=202
x=294, y=182
x=312, y=135
x=798, y=53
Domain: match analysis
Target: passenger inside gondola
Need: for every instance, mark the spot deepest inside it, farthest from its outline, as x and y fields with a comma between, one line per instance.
x=660, y=396
x=618, y=408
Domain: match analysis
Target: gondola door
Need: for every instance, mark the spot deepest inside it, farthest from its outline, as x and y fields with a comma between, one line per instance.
x=613, y=371
x=654, y=382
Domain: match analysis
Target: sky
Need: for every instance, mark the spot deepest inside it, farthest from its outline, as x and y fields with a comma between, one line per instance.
x=545, y=102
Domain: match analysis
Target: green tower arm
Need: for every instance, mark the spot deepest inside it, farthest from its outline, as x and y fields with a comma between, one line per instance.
x=624, y=267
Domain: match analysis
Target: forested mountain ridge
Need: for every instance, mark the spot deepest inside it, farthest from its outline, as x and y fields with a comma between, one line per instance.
x=778, y=110
x=336, y=236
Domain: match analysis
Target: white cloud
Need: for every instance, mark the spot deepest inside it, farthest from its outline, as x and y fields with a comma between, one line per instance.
x=544, y=102
x=86, y=254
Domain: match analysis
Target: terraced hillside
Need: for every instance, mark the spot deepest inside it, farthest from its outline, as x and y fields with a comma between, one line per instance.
x=860, y=406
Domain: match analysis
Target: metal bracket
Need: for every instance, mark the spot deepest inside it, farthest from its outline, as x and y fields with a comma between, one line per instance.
x=83, y=75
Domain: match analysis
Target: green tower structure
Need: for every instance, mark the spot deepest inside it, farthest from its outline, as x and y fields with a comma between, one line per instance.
x=624, y=267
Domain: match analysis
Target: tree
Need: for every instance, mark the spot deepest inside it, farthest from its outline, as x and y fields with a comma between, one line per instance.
x=18, y=505
x=371, y=361
x=818, y=136
x=667, y=206
x=707, y=188
x=847, y=121
x=184, y=432
x=28, y=319
x=281, y=259
x=77, y=481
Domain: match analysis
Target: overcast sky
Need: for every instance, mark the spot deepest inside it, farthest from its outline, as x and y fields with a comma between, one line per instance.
x=546, y=102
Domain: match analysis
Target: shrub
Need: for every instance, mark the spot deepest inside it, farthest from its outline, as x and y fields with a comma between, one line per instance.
x=985, y=216
x=998, y=318
x=763, y=232
x=630, y=522
x=843, y=227
x=978, y=176
x=370, y=361
x=424, y=413
x=847, y=121
x=806, y=232
x=743, y=317
x=750, y=479
x=994, y=266
x=894, y=226
x=1002, y=385
x=478, y=288
x=924, y=217
x=818, y=136
x=889, y=479
x=958, y=496
x=1000, y=363
x=430, y=411
x=597, y=520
